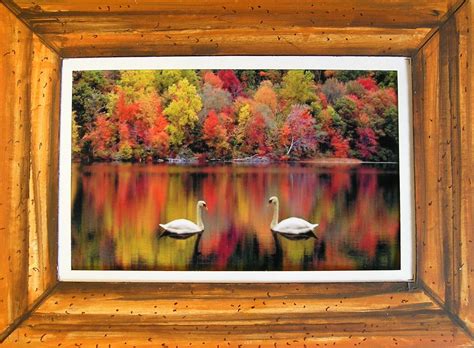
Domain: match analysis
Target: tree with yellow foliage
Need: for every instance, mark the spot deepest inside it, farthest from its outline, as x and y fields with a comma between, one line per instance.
x=182, y=112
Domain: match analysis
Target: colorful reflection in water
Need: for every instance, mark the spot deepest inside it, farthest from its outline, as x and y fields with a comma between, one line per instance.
x=117, y=209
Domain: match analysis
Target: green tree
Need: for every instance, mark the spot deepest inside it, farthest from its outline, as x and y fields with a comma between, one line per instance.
x=355, y=88
x=298, y=87
x=346, y=108
x=164, y=79
x=76, y=146
x=88, y=98
x=386, y=79
x=137, y=83
x=388, y=135
x=335, y=119
x=349, y=75
x=182, y=111
x=249, y=78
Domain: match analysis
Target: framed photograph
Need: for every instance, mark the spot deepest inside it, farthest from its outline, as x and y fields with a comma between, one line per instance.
x=236, y=169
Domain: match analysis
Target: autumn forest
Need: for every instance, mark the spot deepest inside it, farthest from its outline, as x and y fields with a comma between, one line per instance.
x=150, y=144
x=155, y=115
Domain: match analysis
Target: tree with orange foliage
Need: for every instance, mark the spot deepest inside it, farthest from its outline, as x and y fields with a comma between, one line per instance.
x=149, y=115
x=213, y=79
x=125, y=112
x=102, y=138
x=157, y=139
x=266, y=95
x=339, y=144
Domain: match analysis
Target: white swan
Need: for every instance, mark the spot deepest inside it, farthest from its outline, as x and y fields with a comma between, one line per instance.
x=183, y=226
x=290, y=226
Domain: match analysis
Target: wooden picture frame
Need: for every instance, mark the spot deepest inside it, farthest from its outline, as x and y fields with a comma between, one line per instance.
x=437, y=310
x=403, y=185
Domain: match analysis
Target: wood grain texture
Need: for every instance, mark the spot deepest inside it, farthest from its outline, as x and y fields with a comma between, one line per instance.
x=427, y=10
x=248, y=315
x=444, y=163
x=233, y=315
x=463, y=143
x=144, y=28
x=448, y=107
x=15, y=43
x=44, y=106
x=244, y=41
x=430, y=250
x=26, y=264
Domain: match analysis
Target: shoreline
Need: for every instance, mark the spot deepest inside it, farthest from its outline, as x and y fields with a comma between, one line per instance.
x=349, y=161
x=260, y=161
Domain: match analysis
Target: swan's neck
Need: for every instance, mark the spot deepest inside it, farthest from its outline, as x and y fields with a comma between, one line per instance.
x=199, y=217
x=276, y=209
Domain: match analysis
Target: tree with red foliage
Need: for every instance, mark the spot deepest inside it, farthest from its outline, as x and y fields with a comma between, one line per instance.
x=230, y=82
x=284, y=138
x=300, y=132
x=215, y=135
x=291, y=114
x=125, y=115
x=366, y=144
x=376, y=103
x=324, y=100
x=339, y=144
x=256, y=136
x=157, y=139
x=368, y=83
x=102, y=137
x=125, y=112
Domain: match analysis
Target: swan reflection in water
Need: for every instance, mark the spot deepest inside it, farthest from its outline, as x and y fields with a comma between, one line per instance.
x=294, y=238
x=297, y=252
x=291, y=253
x=177, y=252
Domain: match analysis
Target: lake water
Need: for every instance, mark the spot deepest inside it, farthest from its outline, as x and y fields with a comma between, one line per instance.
x=117, y=209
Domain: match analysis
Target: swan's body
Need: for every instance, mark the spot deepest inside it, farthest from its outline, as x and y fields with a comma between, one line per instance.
x=294, y=225
x=183, y=226
x=290, y=226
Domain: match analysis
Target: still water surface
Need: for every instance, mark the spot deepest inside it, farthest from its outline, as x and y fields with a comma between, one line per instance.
x=117, y=209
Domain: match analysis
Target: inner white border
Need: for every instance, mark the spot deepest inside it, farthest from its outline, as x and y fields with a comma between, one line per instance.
x=400, y=64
